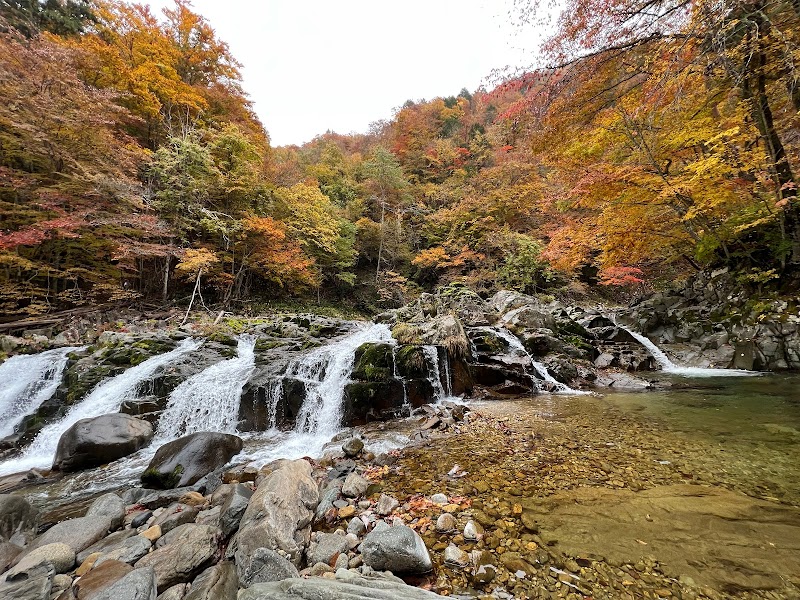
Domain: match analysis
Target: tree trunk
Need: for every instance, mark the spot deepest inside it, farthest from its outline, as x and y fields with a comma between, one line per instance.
x=380, y=245
x=165, y=289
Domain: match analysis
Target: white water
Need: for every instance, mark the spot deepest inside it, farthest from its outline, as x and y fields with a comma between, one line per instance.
x=516, y=345
x=670, y=367
x=106, y=398
x=209, y=400
x=406, y=404
x=26, y=381
x=325, y=371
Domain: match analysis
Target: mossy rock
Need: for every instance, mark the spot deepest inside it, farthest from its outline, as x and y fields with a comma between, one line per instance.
x=369, y=401
x=411, y=362
x=153, y=478
x=373, y=362
x=568, y=327
x=406, y=333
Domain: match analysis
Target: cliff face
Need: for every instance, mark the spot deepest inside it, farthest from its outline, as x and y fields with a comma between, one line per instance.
x=716, y=321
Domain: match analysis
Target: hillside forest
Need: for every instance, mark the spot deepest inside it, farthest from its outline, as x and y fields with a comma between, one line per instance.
x=657, y=138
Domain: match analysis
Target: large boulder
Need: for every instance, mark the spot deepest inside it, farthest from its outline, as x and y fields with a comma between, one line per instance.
x=215, y=583
x=280, y=512
x=139, y=584
x=184, y=461
x=17, y=518
x=263, y=566
x=100, y=440
x=33, y=585
x=396, y=548
x=190, y=549
x=78, y=533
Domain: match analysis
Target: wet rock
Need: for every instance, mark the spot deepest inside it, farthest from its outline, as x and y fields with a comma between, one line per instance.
x=108, y=506
x=188, y=552
x=141, y=519
x=61, y=556
x=347, y=586
x=326, y=547
x=279, y=514
x=263, y=565
x=175, y=515
x=99, y=579
x=36, y=584
x=162, y=498
x=17, y=517
x=455, y=556
x=232, y=510
x=100, y=440
x=139, y=584
x=215, y=583
x=397, y=548
x=352, y=447
x=355, y=485
x=184, y=461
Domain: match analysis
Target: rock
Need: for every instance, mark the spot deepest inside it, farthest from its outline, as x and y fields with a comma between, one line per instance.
x=141, y=519
x=184, y=461
x=215, y=583
x=352, y=447
x=8, y=554
x=327, y=497
x=17, y=516
x=192, y=499
x=263, y=565
x=139, y=584
x=36, y=584
x=355, y=485
x=108, y=543
x=209, y=516
x=190, y=549
x=485, y=567
x=346, y=512
x=386, y=504
x=455, y=556
x=152, y=533
x=129, y=552
x=61, y=556
x=398, y=549
x=347, y=586
x=176, y=592
x=232, y=510
x=78, y=533
x=108, y=506
x=439, y=499
x=61, y=582
x=280, y=512
x=356, y=526
x=326, y=548
x=446, y=522
x=175, y=515
x=473, y=531
x=100, y=440
x=162, y=498
x=99, y=579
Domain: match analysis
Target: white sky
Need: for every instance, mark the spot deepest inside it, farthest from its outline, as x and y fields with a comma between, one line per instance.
x=315, y=65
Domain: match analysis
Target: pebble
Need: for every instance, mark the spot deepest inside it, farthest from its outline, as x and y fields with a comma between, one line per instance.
x=446, y=522
x=439, y=499
x=153, y=533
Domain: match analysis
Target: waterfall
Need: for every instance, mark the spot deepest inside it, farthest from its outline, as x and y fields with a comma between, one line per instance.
x=26, y=381
x=434, y=373
x=105, y=398
x=325, y=372
x=516, y=345
x=406, y=404
x=670, y=367
x=274, y=397
x=209, y=400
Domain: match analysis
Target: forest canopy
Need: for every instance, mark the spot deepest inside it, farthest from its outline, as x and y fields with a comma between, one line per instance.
x=660, y=138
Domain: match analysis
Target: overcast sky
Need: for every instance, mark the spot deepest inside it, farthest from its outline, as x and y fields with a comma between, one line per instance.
x=315, y=65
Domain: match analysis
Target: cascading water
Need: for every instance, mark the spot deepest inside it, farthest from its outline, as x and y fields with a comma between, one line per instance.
x=516, y=345
x=325, y=372
x=670, y=367
x=434, y=374
x=106, y=398
x=209, y=400
x=26, y=381
x=406, y=404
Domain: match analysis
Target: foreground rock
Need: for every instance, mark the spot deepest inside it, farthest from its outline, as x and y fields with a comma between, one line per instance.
x=187, y=459
x=347, y=586
x=100, y=440
x=279, y=514
x=18, y=519
x=395, y=548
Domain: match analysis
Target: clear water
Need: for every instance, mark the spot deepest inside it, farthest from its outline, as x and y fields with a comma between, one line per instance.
x=26, y=381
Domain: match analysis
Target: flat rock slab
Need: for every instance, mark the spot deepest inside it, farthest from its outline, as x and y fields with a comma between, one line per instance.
x=719, y=538
x=349, y=588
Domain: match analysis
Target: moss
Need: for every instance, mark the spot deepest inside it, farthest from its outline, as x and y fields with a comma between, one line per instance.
x=411, y=362
x=267, y=344
x=405, y=333
x=373, y=362
x=153, y=478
